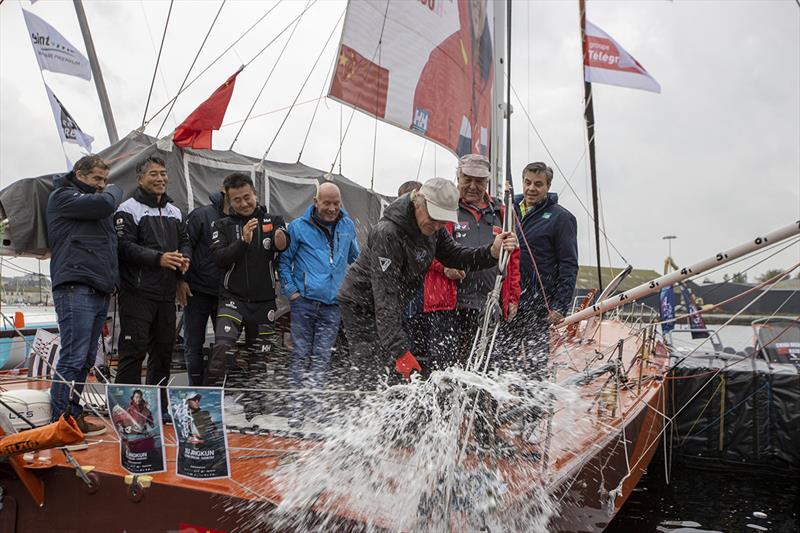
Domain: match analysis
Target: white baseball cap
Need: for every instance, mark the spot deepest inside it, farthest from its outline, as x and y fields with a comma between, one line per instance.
x=441, y=199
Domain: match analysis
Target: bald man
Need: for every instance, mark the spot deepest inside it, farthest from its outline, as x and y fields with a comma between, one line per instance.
x=322, y=244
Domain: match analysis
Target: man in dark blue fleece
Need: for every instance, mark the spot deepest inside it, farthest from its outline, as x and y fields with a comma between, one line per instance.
x=199, y=293
x=83, y=243
x=547, y=235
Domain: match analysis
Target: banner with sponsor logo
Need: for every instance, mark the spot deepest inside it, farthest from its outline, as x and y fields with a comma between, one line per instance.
x=423, y=65
x=696, y=322
x=605, y=61
x=666, y=300
x=53, y=51
x=136, y=415
x=69, y=131
x=198, y=419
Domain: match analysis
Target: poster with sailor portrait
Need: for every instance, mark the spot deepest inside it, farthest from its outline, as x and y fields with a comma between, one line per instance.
x=136, y=415
x=198, y=419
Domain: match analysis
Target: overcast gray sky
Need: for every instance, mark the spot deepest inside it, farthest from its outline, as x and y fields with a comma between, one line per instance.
x=714, y=159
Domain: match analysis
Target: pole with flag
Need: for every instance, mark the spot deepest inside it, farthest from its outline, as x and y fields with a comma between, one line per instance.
x=588, y=114
x=195, y=131
x=605, y=61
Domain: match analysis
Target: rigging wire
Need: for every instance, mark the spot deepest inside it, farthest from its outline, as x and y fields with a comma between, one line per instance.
x=160, y=71
x=271, y=112
x=197, y=55
x=295, y=23
x=303, y=86
x=316, y=108
x=270, y=10
x=561, y=172
x=158, y=59
x=421, y=158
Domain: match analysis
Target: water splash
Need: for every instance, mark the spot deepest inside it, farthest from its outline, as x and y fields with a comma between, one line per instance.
x=457, y=451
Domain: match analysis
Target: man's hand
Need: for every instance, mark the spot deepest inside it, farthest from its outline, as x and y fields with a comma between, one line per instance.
x=512, y=311
x=185, y=263
x=247, y=231
x=554, y=317
x=506, y=240
x=183, y=293
x=454, y=274
x=171, y=260
x=279, y=237
x=294, y=296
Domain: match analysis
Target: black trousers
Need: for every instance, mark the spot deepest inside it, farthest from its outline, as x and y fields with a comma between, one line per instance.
x=246, y=368
x=147, y=328
x=369, y=363
x=450, y=336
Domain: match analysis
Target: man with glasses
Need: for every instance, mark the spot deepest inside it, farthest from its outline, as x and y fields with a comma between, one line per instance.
x=547, y=234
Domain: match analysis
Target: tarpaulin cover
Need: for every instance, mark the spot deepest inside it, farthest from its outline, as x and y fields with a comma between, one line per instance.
x=747, y=415
x=285, y=188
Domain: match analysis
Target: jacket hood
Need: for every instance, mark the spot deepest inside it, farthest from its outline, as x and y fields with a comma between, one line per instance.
x=217, y=199
x=150, y=200
x=401, y=212
x=70, y=180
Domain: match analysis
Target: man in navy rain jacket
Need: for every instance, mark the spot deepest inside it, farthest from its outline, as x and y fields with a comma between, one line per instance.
x=548, y=260
x=199, y=293
x=322, y=244
x=83, y=243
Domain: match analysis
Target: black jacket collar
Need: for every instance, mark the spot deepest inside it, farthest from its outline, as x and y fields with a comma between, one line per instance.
x=149, y=199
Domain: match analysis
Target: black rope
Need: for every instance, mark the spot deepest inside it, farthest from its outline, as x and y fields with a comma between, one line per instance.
x=296, y=23
x=213, y=22
x=158, y=60
x=297, y=96
x=228, y=49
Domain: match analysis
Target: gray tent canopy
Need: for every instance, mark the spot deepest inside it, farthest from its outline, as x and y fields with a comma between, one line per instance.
x=285, y=188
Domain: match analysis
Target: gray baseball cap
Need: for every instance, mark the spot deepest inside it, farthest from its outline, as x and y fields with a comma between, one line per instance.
x=441, y=199
x=474, y=165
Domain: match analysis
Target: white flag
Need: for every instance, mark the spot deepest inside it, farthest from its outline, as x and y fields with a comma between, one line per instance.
x=605, y=61
x=53, y=51
x=68, y=129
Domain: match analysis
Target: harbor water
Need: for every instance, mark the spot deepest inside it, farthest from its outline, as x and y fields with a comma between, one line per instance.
x=710, y=501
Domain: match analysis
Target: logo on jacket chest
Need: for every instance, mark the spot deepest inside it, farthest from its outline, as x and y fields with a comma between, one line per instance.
x=460, y=230
x=421, y=255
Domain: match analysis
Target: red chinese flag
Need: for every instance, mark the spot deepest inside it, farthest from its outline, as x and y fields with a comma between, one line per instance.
x=360, y=82
x=196, y=130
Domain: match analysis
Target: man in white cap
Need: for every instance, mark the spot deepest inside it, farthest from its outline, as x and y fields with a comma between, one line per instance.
x=389, y=273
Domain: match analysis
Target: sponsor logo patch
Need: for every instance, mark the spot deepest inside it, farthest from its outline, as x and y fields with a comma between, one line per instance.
x=227, y=329
x=385, y=262
x=267, y=242
x=462, y=226
x=420, y=122
x=266, y=227
x=547, y=214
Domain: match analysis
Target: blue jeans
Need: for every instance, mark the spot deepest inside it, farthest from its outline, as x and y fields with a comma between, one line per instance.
x=314, y=328
x=81, y=313
x=199, y=309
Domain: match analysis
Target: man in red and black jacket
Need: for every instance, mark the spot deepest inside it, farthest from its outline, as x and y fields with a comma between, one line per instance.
x=455, y=299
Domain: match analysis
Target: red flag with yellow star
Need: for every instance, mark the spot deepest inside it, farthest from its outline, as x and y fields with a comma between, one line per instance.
x=360, y=82
x=196, y=130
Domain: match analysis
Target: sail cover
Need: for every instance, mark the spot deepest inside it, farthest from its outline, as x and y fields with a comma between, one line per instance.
x=422, y=65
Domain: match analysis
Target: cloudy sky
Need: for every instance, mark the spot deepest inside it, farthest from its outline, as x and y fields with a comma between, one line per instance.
x=714, y=159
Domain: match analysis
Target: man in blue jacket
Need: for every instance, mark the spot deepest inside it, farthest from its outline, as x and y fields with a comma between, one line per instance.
x=199, y=293
x=83, y=244
x=548, y=261
x=322, y=244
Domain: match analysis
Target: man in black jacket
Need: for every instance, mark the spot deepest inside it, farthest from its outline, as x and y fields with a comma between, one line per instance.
x=245, y=246
x=154, y=253
x=83, y=268
x=199, y=293
x=389, y=273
